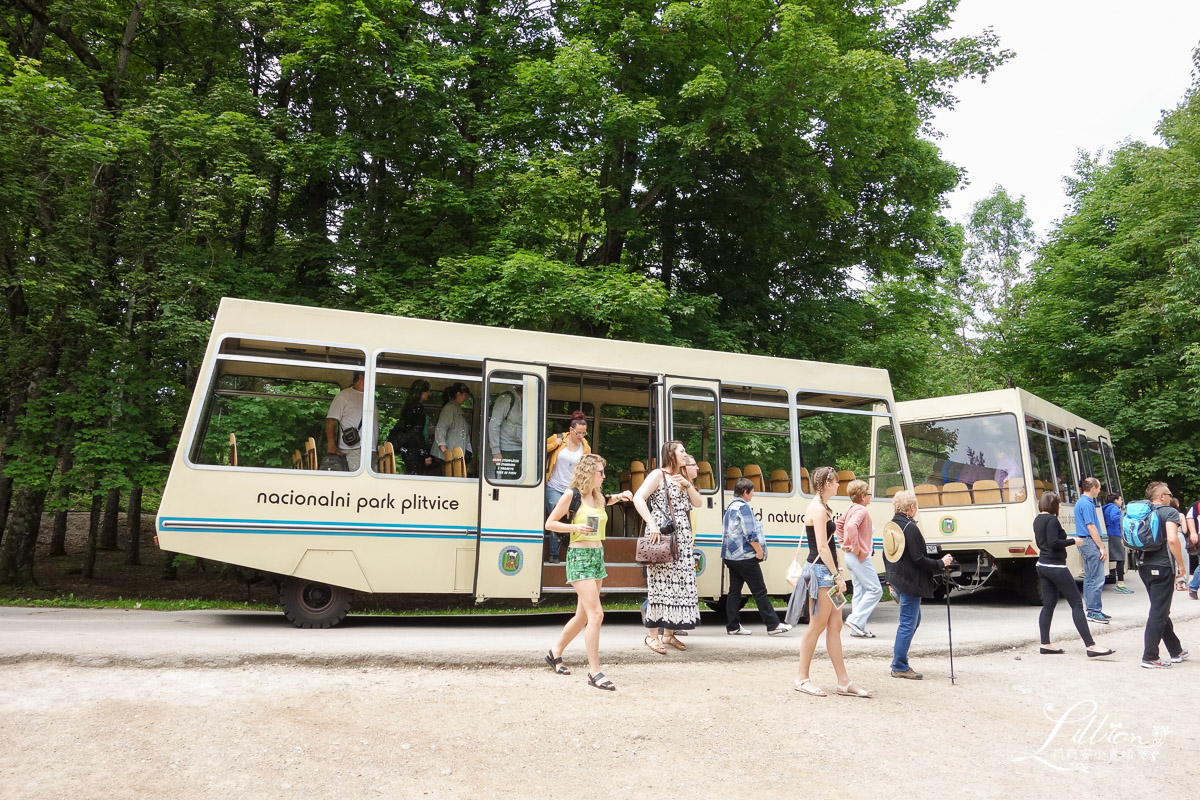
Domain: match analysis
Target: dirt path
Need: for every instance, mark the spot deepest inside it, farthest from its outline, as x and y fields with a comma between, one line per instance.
x=730, y=729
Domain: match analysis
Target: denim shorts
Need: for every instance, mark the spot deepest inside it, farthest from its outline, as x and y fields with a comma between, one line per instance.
x=585, y=563
x=822, y=575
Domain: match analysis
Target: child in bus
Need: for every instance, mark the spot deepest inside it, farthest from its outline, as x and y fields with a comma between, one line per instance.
x=585, y=562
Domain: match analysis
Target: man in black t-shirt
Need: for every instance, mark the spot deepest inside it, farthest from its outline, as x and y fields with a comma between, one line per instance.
x=1159, y=570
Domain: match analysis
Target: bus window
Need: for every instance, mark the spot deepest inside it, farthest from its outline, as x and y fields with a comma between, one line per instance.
x=513, y=400
x=418, y=428
x=1065, y=482
x=1094, y=465
x=980, y=453
x=887, y=461
x=623, y=437
x=836, y=431
x=693, y=422
x=1039, y=457
x=267, y=399
x=756, y=432
x=1110, y=464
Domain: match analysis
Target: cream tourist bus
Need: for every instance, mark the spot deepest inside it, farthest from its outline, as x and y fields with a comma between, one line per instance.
x=981, y=462
x=246, y=485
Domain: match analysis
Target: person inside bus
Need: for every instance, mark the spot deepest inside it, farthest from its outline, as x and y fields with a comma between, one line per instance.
x=1056, y=579
x=452, y=429
x=910, y=575
x=343, y=423
x=506, y=427
x=672, y=603
x=410, y=434
x=1111, y=511
x=563, y=452
x=825, y=574
x=585, y=562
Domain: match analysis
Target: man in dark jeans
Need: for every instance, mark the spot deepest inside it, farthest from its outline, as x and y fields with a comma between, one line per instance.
x=742, y=550
x=1160, y=569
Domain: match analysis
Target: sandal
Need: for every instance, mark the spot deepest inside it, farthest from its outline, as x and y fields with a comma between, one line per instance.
x=671, y=640
x=850, y=690
x=600, y=682
x=805, y=686
x=655, y=645
x=556, y=664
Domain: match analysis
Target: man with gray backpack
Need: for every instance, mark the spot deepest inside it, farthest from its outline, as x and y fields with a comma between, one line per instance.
x=1151, y=527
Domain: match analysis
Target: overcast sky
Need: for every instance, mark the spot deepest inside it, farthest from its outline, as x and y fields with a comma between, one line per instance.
x=1087, y=74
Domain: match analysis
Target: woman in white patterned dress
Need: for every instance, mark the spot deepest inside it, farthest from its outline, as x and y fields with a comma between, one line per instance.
x=671, y=600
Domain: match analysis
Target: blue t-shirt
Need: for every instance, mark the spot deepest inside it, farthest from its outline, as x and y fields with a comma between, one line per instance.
x=1112, y=519
x=1085, y=513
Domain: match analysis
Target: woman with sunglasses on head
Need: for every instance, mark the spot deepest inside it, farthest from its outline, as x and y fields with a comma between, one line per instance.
x=563, y=452
x=825, y=575
x=671, y=600
x=585, y=563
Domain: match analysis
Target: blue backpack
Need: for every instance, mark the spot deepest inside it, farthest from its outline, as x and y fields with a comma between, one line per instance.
x=1141, y=527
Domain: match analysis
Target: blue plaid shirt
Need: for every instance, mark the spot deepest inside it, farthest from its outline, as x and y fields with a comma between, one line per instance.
x=740, y=527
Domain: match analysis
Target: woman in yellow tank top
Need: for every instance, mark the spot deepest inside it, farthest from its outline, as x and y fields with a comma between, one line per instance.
x=585, y=563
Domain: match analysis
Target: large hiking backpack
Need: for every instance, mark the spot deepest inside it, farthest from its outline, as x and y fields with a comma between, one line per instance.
x=1141, y=527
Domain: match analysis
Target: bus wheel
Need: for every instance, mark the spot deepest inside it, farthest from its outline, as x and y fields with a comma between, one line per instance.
x=1028, y=585
x=312, y=604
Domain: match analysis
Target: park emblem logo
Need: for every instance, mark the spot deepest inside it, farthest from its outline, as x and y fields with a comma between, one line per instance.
x=948, y=525
x=511, y=561
x=699, y=561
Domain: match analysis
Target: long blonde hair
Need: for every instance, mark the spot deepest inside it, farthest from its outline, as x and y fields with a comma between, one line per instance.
x=585, y=473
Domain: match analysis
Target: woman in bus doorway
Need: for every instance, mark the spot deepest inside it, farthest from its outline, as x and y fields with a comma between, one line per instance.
x=671, y=600
x=563, y=452
x=825, y=575
x=585, y=563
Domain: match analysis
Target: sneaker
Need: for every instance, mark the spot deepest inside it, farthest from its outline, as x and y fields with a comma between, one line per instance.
x=1156, y=665
x=782, y=628
x=1179, y=659
x=1097, y=617
x=912, y=674
x=855, y=631
x=1123, y=589
x=739, y=631
x=1192, y=594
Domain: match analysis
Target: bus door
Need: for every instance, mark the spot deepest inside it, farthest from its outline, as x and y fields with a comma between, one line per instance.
x=511, y=495
x=691, y=413
x=1110, y=465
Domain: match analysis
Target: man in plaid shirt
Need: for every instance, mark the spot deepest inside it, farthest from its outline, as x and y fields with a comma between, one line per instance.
x=742, y=549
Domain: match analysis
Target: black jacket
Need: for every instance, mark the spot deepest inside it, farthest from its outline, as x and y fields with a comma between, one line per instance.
x=913, y=572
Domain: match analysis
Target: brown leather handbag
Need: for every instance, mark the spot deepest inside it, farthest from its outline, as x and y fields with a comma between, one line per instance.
x=665, y=550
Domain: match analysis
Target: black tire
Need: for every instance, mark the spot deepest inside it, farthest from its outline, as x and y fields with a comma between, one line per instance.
x=1027, y=584
x=312, y=604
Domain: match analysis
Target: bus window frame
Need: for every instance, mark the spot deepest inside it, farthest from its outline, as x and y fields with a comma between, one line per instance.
x=798, y=455
x=793, y=445
x=1023, y=448
x=669, y=396
x=450, y=376
x=1073, y=483
x=538, y=445
x=210, y=368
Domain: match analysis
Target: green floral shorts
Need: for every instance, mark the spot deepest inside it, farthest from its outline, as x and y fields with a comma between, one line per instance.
x=585, y=563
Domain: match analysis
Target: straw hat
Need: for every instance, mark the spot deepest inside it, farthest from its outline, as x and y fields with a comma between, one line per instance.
x=893, y=542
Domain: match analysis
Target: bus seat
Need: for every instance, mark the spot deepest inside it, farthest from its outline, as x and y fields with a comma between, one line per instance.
x=754, y=473
x=1014, y=490
x=625, y=481
x=456, y=465
x=310, y=453
x=986, y=491
x=780, y=482
x=637, y=475
x=387, y=459
x=804, y=484
x=844, y=478
x=927, y=495
x=892, y=491
x=731, y=476
x=297, y=460
x=956, y=493
x=704, y=476
x=232, y=450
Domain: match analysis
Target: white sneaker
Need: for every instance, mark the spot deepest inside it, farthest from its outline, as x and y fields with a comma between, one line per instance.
x=855, y=631
x=783, y=628
x=739, y=632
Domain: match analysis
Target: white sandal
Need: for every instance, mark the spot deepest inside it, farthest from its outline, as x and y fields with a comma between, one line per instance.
x=850, y=690
x=805, y=687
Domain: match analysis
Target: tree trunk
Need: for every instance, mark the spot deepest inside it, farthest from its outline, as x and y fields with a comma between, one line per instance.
x=133, y=525
x=58, y=537
x=93, y=538
x=112, y=516
x=17, y=554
